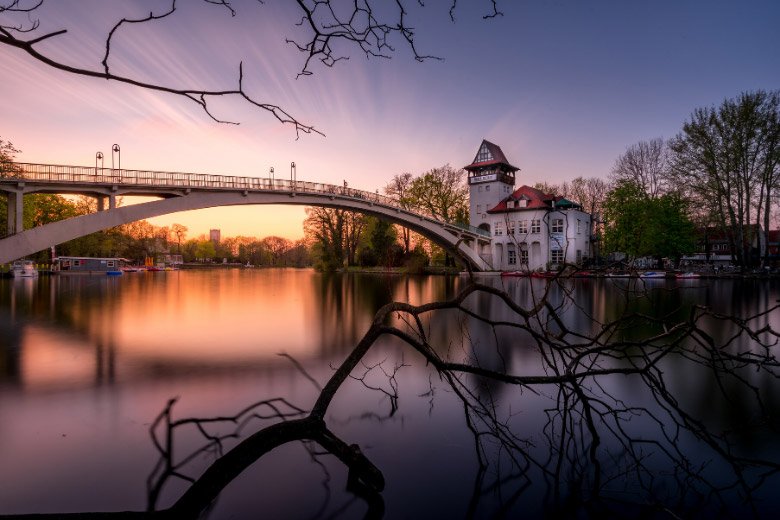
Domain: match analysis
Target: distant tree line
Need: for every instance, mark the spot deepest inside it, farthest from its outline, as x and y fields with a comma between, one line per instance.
x=340, y=238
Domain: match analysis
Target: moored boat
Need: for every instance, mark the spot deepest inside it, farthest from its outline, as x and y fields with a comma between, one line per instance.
x=688, y=275
x=514, y=273
x=653, y=274
x=23, y=269
x=583, y=274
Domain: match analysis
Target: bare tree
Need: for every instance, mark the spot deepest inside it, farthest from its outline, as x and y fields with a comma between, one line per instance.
x=646, y=164
x=726, y=157
x=334, y=27
x=181, y=232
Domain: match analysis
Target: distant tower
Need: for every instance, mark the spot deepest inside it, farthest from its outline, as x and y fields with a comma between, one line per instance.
x=491, y=180
x=214, y=236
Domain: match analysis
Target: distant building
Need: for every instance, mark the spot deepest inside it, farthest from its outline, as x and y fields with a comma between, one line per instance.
x=530, y=229
x=214, y=236
x=714, y=245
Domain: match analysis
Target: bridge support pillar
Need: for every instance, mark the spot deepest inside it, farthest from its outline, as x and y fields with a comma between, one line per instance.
x=15, y=212
x=101, y=202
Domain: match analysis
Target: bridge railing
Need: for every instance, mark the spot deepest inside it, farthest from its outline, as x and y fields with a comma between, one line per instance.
x=146, y=178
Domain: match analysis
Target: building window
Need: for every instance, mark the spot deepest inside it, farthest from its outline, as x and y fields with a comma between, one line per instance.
x=536, y=226
x=510, y=227
x=556, y=256
x=579, y=255
x=499, y=229
x=512, y=258
x=557, y=225
x=510, y=204
x=479, y=208
x=522, y=227
x=487, y=188
x=484, y=154
x=579, y=226
x=522, y=203
x=524, y=256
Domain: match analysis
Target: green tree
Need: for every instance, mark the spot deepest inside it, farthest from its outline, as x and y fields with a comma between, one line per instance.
x=383, y=237
x=639, y=225
x=205, y=250
x=443, y=192
x=399, y=188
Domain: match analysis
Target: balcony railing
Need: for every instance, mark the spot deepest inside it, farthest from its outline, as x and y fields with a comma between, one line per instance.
x=85, y=175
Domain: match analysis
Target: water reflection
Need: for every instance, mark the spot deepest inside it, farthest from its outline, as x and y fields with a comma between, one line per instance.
x=595, y=446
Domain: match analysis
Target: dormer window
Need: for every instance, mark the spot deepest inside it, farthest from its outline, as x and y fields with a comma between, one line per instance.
x=510, y=204
x=522, y=203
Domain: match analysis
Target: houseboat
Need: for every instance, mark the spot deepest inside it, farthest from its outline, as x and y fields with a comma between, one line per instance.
x=89, y=265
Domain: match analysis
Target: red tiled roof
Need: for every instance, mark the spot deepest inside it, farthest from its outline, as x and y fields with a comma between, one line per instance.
x=498, y=157
x=536, y=199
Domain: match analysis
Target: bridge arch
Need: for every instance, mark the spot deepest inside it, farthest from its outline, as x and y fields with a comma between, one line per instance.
x=450, y=237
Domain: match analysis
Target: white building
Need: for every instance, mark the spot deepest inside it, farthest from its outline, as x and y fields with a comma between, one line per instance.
x=530, y=229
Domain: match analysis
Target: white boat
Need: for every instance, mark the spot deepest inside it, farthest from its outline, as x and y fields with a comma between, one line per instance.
x=689, y=275
x=23, y=269
x=653, y=274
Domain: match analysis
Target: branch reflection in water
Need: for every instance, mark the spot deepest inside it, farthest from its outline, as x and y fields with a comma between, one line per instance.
x=573, y=410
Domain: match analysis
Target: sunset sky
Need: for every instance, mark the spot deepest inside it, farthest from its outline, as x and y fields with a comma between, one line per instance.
x=562, y=86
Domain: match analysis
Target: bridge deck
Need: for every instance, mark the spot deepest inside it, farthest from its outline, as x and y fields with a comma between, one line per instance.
x=63, y=179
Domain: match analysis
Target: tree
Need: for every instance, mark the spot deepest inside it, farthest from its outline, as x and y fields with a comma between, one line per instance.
x=399, y=188
x=727, y=159
x=205, y=250
x=7, y=155
x=180, y=232
x=646, y=164
x=332, y=27
x=639, y=225
x=7, y=169
x=443, y=192
x=278, y=247
x=334, y=236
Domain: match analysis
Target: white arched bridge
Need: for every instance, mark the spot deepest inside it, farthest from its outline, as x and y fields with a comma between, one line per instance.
x=188, y=191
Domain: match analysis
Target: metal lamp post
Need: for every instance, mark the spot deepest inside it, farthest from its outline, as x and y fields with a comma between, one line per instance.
x=293, y=175
x=115, y=150
x=98, y=156
x=271, y=171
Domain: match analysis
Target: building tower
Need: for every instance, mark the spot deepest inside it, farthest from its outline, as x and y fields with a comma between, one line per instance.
x=491, y=180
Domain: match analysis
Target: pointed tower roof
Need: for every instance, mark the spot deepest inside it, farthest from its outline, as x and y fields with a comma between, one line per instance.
x=490, y=154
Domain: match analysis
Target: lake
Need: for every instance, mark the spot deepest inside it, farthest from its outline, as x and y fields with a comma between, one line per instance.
x=87, y=364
